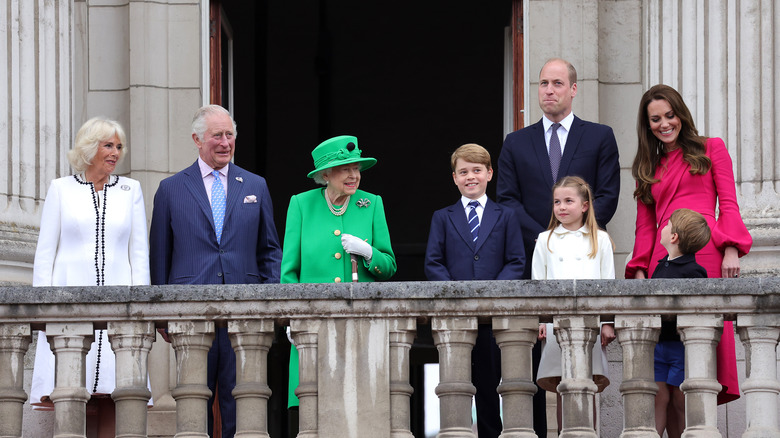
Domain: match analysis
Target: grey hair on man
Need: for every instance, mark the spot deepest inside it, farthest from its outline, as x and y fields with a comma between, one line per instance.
x=199, y=125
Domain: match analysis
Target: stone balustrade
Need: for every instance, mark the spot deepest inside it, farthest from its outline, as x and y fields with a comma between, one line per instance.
x=354, y=342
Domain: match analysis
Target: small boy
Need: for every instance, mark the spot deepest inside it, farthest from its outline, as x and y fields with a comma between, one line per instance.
x=684, y=234
x=477, y=239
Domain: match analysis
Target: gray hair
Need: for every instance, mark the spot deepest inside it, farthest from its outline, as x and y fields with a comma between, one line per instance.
x=93, y=132
x=318, y=177
x=199, y=125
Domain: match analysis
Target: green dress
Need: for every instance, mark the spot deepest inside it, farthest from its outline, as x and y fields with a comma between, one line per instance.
x=322, y=259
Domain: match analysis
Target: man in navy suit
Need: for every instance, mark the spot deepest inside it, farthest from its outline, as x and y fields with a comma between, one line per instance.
x=188, y=245
x=526, y=174
x=477, y=239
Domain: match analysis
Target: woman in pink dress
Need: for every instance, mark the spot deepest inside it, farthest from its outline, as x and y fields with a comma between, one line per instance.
x=675, y=167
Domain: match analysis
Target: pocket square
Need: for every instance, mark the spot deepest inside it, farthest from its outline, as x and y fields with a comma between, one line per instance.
x=250, y=199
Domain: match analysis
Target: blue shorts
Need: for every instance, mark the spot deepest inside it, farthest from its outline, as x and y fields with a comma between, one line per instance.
x=669, y=362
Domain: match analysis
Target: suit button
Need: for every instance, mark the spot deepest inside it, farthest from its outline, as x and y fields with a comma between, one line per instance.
x=337, y=233
x=476, y=257
x=560, y=259
x=337, y=255
x=666, y=264
x=221, y=251
x=219, y=274
x=337, y=280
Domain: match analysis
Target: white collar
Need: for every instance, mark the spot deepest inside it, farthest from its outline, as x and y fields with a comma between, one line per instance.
x=566, y=122
x=482, y=200
x=560, y=230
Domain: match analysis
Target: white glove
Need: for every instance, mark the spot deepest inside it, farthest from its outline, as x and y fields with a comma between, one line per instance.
x=289, y=335
x=354, y=245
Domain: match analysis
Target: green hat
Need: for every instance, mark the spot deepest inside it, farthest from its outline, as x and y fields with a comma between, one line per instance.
x=337, y=151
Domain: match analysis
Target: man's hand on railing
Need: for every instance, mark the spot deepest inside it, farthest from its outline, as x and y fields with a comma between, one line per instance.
x=542, y=332
x=607, y=334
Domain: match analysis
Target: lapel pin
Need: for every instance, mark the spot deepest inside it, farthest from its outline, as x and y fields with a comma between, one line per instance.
x=239, y=179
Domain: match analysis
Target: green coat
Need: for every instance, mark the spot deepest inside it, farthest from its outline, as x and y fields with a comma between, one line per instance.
x=322, y=258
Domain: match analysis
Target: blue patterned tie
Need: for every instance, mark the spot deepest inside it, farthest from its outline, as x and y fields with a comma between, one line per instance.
x=474, y=220
x=218, y=204
x=555, y=151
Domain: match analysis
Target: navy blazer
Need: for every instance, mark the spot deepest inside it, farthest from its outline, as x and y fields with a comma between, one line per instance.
x=525, y=179
x=496, y=255
x=183, y=243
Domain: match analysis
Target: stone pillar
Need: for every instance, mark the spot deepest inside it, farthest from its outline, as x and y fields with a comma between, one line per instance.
x=131, y=342
x=576, y=335
x=760, y=335
x=35, y=119
x=305, y=334
x=516, y=338
x=14, y=340
x=192, y=341
x=455, y=338
x=638, y=335
x=251, y=340
x=700, y=334
x=70, y=343
x=402, y=333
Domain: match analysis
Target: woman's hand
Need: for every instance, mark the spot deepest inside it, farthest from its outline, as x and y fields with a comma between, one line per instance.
x=607, y=334
x=730, y=266
x=542, y=332
x=353, y=245
x=640, y=274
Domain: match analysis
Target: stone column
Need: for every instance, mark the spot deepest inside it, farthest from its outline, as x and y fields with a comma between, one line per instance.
x=700, y=334
x=638, y=335
x=576, y=335
x=14, y=340
x=305, y=333
x=760, y=335
x=402, y=333
x=70, y=343
x=131, y=342
x=251, y=340
x=192, y=341
x=516, y=338
x=455, y=338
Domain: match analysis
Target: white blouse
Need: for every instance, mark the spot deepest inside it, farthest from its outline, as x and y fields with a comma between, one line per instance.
x=567, y=257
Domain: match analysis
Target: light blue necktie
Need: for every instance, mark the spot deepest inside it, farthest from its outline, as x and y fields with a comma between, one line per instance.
x=474, y=220
x=218, y=204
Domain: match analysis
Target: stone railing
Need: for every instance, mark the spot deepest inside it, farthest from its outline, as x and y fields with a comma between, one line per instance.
x=354, y=342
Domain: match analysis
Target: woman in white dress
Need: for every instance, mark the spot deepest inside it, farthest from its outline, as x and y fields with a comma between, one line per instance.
x=93, y=233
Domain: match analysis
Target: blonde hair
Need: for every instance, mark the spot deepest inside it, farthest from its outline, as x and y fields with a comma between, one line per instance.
x=584, y=192
x=93, y=132
x=691, y=229
x=473, y=153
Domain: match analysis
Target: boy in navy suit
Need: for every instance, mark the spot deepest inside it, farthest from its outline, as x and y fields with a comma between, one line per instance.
x=685, y=233
x=477, y=239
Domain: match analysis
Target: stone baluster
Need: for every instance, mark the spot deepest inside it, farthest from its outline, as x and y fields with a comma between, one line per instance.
x=638, y=335
x=70, y=343
x=516, y=338
x=251, y=340
x=402, y=333
x=760, y=334
x=700, y=334
x=576, y=336
x=305, y=333
x=191, y=340
x=14, y=340
x=455, y=338
x=131, y=342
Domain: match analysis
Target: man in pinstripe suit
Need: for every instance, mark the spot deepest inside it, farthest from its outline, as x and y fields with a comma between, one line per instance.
x=188, y=246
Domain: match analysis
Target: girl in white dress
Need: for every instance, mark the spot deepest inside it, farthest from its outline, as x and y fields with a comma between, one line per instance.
x=573, y=247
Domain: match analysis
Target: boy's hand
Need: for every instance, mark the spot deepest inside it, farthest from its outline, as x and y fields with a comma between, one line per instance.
x=542, y=332
x=607, y=334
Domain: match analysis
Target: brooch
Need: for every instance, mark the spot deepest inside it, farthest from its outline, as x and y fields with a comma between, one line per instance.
x=124, y=187
x=239, y=179
x=363, y=202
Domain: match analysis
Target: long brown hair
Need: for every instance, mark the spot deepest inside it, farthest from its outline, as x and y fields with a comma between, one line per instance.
x=584, y=192
x=650, y=150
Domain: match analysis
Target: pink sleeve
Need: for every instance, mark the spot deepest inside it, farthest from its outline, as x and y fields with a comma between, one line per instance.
x=644, y=241
x=729, y=230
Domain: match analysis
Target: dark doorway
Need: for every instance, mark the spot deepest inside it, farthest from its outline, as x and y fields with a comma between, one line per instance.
x=412, y=80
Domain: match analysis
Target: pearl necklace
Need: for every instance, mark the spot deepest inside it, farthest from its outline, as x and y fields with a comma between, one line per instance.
x=336, y=211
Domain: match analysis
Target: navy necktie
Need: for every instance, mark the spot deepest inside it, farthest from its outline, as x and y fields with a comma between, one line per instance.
x=474, y=220
x=218, y=204
x=555, y=151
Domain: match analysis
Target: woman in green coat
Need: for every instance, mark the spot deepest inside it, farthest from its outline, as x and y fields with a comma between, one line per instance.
x=335, y=222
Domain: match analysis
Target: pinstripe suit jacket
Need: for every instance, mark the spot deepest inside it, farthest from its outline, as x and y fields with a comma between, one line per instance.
x=183, y=243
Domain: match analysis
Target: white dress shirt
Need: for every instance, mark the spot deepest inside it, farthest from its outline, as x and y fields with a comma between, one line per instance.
x=480, y=208
x=563, y=131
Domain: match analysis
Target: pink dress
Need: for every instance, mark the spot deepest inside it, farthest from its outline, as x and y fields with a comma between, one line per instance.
x=677, y=188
